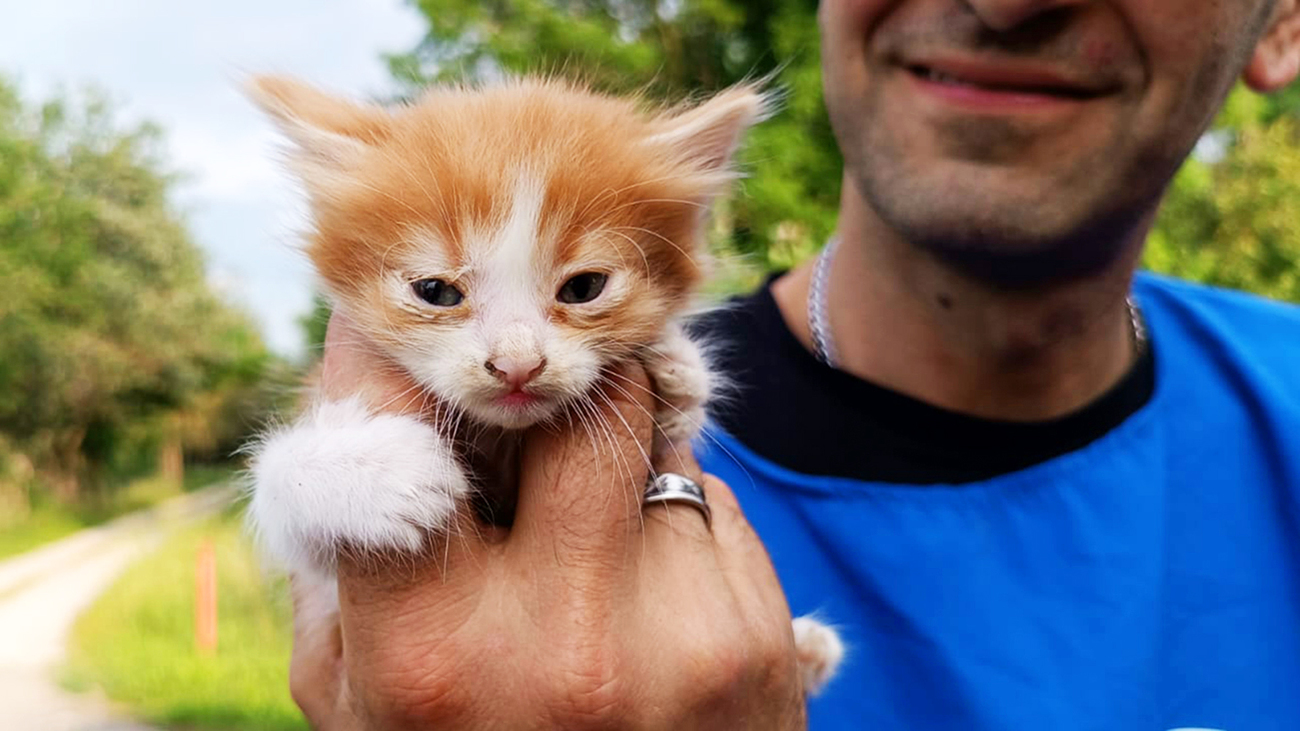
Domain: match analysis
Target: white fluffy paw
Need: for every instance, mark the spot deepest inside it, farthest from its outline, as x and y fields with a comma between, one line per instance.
x=343, y=476
x=683, y=383
x=820, y=652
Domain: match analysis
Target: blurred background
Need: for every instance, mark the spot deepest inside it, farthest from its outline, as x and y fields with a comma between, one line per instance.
x=153, y=313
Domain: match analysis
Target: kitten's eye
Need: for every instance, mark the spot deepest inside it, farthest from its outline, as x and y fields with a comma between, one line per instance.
x=437, y=292
x=582, y=288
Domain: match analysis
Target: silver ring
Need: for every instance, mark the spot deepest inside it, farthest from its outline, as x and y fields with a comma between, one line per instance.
x=670, y=487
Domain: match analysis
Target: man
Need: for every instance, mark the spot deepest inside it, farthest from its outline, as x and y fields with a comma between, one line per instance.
x=1029, y=491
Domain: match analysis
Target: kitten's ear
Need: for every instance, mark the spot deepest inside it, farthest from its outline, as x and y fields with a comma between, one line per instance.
x=707, y=135
x=329, y=135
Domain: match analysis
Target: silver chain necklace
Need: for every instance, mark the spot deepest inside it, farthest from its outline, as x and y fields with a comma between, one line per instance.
x=818, y=319
x=823, y=339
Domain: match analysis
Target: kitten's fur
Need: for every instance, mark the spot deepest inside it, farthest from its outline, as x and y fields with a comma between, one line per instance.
x=504, y=193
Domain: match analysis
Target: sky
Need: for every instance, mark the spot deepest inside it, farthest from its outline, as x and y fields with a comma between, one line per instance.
x=179, y=64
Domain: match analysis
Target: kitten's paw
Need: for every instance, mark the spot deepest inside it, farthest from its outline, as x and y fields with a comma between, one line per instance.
x=683, y=383
x=820, y=652
x=343, y=476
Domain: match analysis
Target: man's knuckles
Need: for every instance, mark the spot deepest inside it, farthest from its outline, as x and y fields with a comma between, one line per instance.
x=415, y=696
x=588, y=691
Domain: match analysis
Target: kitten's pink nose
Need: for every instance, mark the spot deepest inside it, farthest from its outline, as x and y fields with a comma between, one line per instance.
x=515, y=372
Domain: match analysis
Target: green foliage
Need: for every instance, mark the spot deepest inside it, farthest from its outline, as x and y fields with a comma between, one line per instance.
x=314, y=324
x=114, y=344
x=137, y=641
x=671, y=51
x=1235, y=221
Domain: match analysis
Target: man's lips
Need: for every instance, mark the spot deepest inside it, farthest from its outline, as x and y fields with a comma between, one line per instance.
x=1019, y=80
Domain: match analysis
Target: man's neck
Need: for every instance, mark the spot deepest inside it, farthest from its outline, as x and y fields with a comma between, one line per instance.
x=904, y=320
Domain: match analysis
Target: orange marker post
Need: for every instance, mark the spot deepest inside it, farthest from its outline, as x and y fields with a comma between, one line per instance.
x=205, y=600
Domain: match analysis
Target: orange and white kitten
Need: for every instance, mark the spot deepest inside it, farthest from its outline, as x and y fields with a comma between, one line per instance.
x=505, y=245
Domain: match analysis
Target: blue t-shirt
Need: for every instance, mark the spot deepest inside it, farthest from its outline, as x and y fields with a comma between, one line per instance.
x=1148, y=580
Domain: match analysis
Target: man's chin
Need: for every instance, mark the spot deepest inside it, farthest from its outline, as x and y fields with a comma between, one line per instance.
x=1010, y=245
x=1028, y=269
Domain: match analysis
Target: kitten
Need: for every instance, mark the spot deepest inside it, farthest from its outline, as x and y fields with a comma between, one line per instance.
x=504, y=245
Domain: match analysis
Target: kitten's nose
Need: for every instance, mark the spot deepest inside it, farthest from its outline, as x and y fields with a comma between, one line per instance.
x=515, y=372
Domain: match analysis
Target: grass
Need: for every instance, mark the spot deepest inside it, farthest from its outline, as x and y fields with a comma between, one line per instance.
x=44, y=524
x=136, y=642
x=50, y=521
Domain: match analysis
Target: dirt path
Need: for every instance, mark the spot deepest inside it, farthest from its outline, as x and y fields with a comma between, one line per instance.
x=42, y=593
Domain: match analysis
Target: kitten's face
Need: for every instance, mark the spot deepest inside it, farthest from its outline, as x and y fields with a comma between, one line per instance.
x=505, y=246
x=511, y=316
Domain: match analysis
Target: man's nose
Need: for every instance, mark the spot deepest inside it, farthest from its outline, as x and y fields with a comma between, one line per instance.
x=1004, y=15
x=515, y=371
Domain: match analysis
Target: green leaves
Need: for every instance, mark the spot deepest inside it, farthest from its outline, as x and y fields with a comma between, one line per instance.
x=1235, y=221
x=107, y=323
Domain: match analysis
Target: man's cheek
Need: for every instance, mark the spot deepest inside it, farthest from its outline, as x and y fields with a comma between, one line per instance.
x=852, y=17
x=859, y=16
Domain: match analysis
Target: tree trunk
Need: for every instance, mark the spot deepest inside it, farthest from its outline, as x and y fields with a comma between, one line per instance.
x=171, y=461
x=64, y=475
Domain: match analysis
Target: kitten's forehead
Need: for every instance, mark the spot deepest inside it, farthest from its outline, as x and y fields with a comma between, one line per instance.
x=509, y=263
x=532, y=183
x=513, y=245
x=510, y=241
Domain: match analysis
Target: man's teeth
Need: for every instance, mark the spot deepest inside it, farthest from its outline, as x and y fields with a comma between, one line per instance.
x=942, y=78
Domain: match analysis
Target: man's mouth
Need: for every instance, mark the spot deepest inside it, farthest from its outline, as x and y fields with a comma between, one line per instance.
x=993, y=83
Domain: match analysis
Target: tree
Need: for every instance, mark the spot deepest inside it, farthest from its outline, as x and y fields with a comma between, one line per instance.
x=110, y=333
x=1232, y=217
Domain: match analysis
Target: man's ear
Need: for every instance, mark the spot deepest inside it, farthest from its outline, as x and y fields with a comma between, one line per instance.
x=1276, y=60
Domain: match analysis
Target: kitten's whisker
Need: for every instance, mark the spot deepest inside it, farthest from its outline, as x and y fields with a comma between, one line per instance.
x=650, y=391
x=630, y=431
x=587, y=417
x=605, y=431
x=607, y=193
x=630, y=240
x=616, y=455
x=659, y=236
x=696, y=204
x=630, y=476
x=654, y=421
x=415, y=388
x=611, y=192
x=700, y=427
x=572, y=418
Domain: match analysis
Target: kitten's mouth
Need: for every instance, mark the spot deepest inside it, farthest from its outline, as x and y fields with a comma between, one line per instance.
x=519, y=399
x=516, y=408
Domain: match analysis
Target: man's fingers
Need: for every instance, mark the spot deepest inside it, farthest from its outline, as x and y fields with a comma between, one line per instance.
x=316, y=668
x=677, y=517
x=351, y=366
x=739, y=550
x=581, y=485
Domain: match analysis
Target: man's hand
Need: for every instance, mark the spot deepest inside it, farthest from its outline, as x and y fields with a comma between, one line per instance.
x=589, y=613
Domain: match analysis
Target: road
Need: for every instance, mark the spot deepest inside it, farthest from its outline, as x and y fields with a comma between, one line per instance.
x=41, y=594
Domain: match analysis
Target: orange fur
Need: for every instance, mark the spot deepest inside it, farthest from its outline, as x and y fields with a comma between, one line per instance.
x=447, y=162
x=418, y=191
